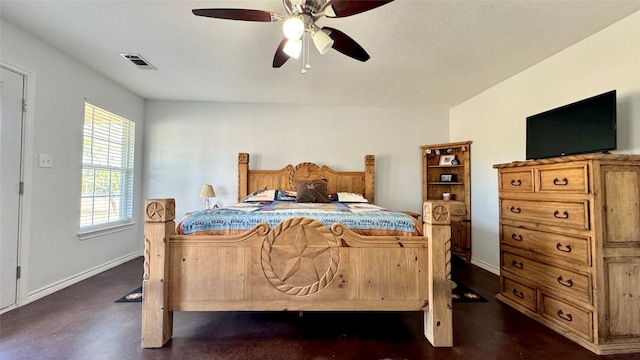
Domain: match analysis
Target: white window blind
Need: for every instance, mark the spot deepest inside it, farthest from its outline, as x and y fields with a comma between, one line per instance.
x=107, y=168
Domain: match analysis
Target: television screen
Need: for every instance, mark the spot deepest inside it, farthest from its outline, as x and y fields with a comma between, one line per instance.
x=586, y=126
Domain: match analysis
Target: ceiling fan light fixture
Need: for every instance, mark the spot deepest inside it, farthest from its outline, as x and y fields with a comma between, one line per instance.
x=293, y=28
x=299, y=26
x=293, y=48
x=322, y=41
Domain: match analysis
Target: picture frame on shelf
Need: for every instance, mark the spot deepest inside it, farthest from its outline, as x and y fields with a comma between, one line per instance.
x=447, y=178
x=445, y=160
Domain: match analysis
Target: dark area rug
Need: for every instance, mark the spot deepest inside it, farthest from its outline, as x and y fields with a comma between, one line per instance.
x=461, y=293
x=134, y=296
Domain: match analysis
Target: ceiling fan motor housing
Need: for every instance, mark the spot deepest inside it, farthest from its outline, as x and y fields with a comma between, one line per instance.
x=303, y=6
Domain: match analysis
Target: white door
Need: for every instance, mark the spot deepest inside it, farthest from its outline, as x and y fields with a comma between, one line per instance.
x=11, y=100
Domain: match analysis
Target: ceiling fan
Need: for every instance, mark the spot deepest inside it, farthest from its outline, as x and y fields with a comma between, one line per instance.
x=300, y=21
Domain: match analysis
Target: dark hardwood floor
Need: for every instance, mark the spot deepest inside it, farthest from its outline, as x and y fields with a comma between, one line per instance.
x=83, y=322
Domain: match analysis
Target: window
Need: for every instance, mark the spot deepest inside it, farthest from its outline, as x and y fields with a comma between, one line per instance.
x=107, y=169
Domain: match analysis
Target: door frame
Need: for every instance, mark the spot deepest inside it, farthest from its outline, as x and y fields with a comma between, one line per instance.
x=24, y=216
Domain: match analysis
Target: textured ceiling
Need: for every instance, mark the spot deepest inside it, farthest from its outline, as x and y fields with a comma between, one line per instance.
x=423, y=53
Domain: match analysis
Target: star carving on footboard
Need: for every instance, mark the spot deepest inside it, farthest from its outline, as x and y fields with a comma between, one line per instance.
x=435, y=213
x=300, y=256
x=160, y=210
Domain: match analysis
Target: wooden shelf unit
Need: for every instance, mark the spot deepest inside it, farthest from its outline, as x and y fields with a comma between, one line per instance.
x=459, y=188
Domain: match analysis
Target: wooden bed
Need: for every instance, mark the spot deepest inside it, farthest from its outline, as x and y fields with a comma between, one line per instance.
x=242, y=273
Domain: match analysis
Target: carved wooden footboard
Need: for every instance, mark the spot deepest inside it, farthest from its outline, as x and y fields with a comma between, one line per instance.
x=298, y=265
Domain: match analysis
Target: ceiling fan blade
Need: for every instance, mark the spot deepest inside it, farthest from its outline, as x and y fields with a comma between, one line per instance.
x=239, y=14
x=280, y=57
x=343, y=8
x=346, y=45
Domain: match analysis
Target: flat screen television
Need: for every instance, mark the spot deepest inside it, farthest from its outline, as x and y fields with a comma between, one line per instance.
x=585, y=126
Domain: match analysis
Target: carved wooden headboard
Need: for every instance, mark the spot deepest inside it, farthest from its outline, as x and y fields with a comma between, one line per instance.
x=361, y=182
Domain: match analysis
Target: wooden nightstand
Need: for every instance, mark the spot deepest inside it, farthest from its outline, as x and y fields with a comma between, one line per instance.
x=412, y=214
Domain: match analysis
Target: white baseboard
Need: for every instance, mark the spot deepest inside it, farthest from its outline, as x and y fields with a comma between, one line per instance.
x=486, y=266
x=48, y=290
x=8, y=308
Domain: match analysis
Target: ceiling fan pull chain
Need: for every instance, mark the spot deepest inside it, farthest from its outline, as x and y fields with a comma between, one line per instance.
x=308, y=36
x=305, y=54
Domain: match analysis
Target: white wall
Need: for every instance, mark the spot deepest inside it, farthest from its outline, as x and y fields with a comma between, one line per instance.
x=53, y=256
x=188, y=144
x=495, y=119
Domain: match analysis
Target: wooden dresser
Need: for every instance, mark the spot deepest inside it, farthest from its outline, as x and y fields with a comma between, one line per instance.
x=570, y=246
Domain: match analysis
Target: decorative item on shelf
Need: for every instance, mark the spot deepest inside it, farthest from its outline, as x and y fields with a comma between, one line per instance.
x=437, y=152
x=208, y=192
x=447, y=178
x=455, y=161
x=445, y=160
x=446, y=196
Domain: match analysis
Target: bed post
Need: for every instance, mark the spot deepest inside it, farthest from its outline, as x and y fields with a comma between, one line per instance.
x=369, y=177
x=243, y=170
x=157, y=320
x=438, y=319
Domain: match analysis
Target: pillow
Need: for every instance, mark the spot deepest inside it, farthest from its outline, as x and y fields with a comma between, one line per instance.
x=351, y=197
x=312, y=191
x=260, y=195
x=286, y=195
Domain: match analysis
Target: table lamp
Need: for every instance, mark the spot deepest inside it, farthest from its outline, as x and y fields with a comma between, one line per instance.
x=207, y=192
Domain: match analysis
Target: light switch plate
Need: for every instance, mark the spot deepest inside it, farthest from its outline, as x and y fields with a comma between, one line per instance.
x=45, y=160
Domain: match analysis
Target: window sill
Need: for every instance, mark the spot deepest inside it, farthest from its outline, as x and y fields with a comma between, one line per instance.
x=110, y=229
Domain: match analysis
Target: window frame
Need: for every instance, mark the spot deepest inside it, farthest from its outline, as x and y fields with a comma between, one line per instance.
x=104, y=132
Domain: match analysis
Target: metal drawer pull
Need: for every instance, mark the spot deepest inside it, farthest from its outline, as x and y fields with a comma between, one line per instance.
x=516, y=237
x=567, y=317
x=519, y=265
x=562, y=182
x=515, y=182
x=566, y=215
x=567, y=283
x=518, y=293
x=515, y=210
x=567, y=247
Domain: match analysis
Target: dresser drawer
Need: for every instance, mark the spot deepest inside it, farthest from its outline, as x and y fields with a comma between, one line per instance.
x=573, y=214
x=579, y=321
x=567, y=282
x=521, y=294
x=568, y=179
x=516, y=180
x=563, y=247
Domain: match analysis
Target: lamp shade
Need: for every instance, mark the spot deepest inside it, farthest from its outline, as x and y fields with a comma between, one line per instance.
x=322, y=41
x=207, y=191
x=293, y=48
x=293, y=28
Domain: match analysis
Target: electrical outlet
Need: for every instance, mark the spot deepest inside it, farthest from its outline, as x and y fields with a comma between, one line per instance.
x=45, y=160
